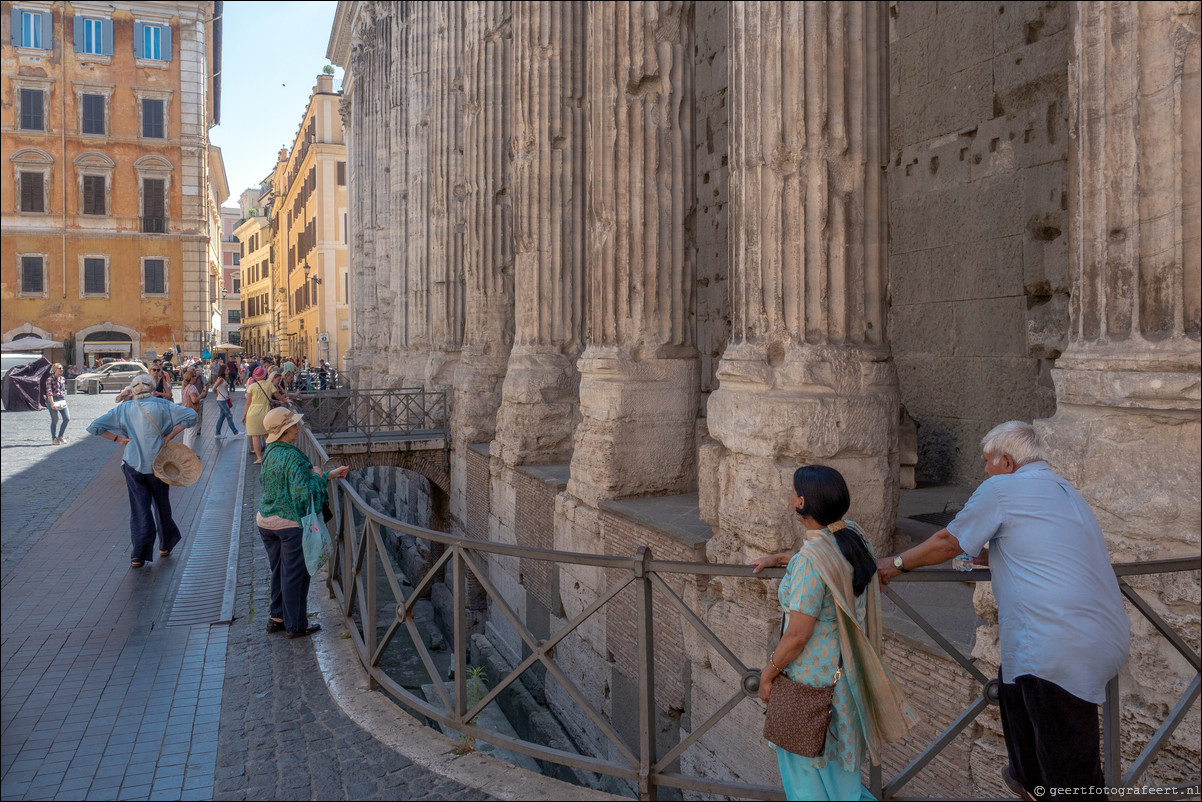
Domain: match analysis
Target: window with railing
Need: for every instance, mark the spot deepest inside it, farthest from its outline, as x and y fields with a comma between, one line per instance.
x=154, y=206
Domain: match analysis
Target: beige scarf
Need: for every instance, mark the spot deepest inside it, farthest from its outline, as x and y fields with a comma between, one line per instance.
x=884, y=713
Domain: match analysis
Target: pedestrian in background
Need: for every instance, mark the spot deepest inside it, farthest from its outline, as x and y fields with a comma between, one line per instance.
x=225, y=400
x=259, y=395
x=143, y=426
x=291, y=488
x=1064, y=632
x=192, y=396
x=162, y=381
x=56, y=402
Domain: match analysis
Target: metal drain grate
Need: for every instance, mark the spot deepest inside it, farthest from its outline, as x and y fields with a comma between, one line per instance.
x=204, y=585
x=937, y=518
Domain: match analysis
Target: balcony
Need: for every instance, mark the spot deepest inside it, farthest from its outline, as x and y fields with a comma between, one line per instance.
x=154, y=225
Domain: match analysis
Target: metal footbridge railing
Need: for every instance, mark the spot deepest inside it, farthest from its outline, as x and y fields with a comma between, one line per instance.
x=355, y=578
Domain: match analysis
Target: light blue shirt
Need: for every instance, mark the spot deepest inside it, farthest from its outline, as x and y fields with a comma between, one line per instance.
x=1060, y=611
x=127, y=420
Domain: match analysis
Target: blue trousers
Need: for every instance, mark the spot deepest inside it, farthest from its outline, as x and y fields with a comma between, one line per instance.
x=224, y=416
x=55, y=414
x=289, y=576
x=148, y=493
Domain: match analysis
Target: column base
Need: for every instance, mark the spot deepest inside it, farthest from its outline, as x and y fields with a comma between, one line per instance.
x=637, y=434
x=832, y=406
x=539, y=407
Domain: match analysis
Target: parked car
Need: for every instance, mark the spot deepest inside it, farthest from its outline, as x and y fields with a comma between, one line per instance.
x=113, y=376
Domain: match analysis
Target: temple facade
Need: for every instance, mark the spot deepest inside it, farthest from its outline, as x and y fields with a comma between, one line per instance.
x=659, y=254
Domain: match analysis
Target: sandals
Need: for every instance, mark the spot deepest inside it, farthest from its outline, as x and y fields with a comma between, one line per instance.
x=136, y=563
x=164, y=553
x=274, y=626
x=304, y=633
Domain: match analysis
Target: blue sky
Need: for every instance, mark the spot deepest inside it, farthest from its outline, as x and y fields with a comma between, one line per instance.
x=271, y=54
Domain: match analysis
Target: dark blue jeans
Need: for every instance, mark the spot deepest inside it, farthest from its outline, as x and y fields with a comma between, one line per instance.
x=148, y=493
x=226, y=417
x=55, y=414
x=289, y=576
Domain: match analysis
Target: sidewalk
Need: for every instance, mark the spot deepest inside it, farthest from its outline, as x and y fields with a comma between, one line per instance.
x=161, y=683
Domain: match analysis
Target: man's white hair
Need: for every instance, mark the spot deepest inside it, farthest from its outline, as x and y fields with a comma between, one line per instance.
x=1016, y=438
x=142, y=385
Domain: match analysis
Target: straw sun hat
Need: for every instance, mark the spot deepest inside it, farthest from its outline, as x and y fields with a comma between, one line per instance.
x=280, y=420
x=176, y=464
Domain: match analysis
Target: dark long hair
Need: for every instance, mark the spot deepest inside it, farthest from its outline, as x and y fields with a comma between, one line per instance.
x=826, y=501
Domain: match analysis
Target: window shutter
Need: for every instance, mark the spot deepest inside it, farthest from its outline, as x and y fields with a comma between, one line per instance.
x=166, y=53
x=47, y=31
x=16, y=27
x=78, y=33
x=107, y=33
x=137, y=40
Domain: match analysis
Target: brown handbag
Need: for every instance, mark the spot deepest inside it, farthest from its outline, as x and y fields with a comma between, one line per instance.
x=799, y=715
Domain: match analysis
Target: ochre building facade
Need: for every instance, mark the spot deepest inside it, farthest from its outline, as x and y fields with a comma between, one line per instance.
x=105, y=192
x=671, y=250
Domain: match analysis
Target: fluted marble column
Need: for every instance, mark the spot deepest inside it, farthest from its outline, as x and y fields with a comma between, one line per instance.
x=488, y=241
x=445, y=320
x=807, y=376
x=1126, y=430
x=418, y=154
x=540, y=393
x=639, y=373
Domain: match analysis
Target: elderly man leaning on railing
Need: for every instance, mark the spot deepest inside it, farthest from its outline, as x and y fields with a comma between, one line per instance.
x=1057, y=599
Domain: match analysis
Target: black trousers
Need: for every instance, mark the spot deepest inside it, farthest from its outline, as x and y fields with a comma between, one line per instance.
x=1052, y=737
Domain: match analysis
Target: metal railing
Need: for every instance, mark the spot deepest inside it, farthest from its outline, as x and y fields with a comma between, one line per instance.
x=376, y=414
x=360, y=550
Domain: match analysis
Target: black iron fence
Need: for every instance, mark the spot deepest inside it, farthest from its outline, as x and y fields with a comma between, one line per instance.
x=375, y=414
x=355, y=580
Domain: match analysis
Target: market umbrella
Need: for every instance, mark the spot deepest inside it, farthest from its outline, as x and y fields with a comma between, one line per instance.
x=227, y=348
x=30, y=344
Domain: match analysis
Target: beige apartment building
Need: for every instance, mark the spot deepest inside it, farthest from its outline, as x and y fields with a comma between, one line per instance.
x=309, y=230
x=107, y=193
x=254, y=237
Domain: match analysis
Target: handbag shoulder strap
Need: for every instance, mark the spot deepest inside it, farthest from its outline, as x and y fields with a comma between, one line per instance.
x=157, y=430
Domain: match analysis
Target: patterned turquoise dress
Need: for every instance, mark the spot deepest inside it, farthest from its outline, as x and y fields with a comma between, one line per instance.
x=836, y=773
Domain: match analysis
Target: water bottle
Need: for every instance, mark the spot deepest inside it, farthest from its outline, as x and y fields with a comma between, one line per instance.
x=963, y=562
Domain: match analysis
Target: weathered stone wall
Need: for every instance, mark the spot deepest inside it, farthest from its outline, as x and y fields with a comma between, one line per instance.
x=978, y=198
x=739, y=236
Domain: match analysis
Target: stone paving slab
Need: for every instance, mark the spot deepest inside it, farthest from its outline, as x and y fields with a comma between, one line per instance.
x=97, y=701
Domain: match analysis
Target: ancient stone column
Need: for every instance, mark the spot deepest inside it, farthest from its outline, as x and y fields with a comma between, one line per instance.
x=445, y=170
x=1126, y=430
x=807, y=375
x=488, y=235
x=418, y=123
x=539, y=397
x=639, y=374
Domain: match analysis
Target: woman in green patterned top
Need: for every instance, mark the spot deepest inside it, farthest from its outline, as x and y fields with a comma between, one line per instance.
x=291, y=487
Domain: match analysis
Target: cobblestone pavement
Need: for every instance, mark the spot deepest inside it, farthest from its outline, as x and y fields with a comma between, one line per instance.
x=109, y=692
x=282, y=735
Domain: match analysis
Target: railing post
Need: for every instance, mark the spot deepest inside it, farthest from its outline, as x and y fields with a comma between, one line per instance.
x=1112, y=744
x=459, y=567
x=368, y=599
x=646, y=625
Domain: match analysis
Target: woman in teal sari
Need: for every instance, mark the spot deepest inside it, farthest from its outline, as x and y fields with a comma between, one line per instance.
x=830, y=596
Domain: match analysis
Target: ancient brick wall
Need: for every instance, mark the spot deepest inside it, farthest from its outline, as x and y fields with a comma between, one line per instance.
x=978, y=193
